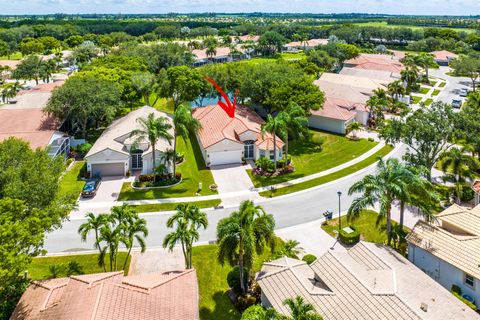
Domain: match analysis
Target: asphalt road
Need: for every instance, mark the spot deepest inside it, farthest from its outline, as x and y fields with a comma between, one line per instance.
x=289, y=210
x=453, y=86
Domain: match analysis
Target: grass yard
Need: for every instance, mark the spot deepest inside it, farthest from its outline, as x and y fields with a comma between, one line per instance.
x=171, y=206
x=435, y=92
x=38, y=269
x=162, y=104
x=293, y=56
x=15, y=56
x=71, y=183
x=330, y=177
x=193, y=171
x=306, y=159
x=442, y=84
x=428, y=101
x=413, y=27
x=212, y=282
x=423, y=90
x=366, y=224
x=416, y=99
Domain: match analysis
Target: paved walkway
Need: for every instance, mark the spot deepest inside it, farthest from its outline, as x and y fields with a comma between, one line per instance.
x=156, y=260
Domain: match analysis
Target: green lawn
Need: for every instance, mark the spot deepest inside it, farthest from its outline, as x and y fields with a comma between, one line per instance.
x=307, y=159
x=423, y=90
x=385, y=24
x=428, y=101
x=330, y=177
x=71, y=183
x=432, y=83
x=212, y=282
x=416, y=99
x=162, y=104
x=38, y=269
x=442, y=84
x=16, y=56
x=365, y=224
x=193, y=171
x=293, y=56
x=171, y=206
x=435, y=92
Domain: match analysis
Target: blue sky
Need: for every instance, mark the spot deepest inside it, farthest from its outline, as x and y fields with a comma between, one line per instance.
x=433, y=7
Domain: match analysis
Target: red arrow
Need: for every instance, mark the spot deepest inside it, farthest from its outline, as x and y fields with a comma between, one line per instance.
x=229, y=107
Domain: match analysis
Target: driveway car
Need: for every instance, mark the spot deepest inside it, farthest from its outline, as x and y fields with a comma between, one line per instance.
x=456, y=103
x=463, y=92
x=90, y=188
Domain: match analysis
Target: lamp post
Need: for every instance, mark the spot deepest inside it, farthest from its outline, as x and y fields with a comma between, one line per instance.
x=339, y=213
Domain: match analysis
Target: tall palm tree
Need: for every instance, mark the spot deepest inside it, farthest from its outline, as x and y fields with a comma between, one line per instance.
x=244, y=233
x=134, y=228
x=388, y=184
x=296, y=123
x=275, y=126
x=94, y=223
x=185, y=124
x=152, y=130
x=396, y=89
x=301, y=310
x=377, y=107
x=410, y=76
x=111, y=236
x=188, y=219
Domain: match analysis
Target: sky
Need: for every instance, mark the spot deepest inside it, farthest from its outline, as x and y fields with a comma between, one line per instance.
x=420, y=7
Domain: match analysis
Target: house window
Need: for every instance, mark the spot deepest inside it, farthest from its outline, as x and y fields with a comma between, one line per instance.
x=262, y=153
x=469, y=280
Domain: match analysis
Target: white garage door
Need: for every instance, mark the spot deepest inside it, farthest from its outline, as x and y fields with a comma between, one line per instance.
x=108, y=169
x=225, y=157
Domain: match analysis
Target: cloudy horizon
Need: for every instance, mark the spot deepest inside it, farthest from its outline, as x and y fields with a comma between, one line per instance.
x=406, y=7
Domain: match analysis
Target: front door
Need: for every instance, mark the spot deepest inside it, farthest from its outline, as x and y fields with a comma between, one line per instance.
x=137, y=161
x=248, y=150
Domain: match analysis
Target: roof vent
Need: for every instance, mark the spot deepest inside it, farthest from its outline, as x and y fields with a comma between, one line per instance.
x=424, y=306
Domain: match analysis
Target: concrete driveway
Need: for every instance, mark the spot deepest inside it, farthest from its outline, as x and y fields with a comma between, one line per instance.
x=156, y=260
x=453, y=86
x=108, y=191
x=231, y=178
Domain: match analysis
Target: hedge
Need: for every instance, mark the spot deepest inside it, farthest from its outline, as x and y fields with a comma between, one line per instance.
x=309, y=258
x=349, y=238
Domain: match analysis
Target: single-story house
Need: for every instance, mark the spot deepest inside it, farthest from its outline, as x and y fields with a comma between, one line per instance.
x=382, y=76
x=36, y=127
x=304, y=45
x=115, y=151
x=248, y=38
x=222, y=54
x=225, y=140
x=381, y=62
x=443, y=57
x=337, y=114
x=367, y=281
x=168, y=296
x=448, y=250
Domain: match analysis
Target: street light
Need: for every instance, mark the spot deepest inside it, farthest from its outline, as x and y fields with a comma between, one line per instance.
x=339, y=213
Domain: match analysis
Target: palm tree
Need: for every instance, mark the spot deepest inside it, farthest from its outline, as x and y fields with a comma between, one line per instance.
x=410, y=76
x=295, y=122
x=377, y=106
x=188, y=219
x=94, y=223
x=301, y=310
x=244, y=233
x=292, y=248
x=152, y=130
x=461, y=165
x=111, y=235
x=353, y=127
x=388, y=184
x=426, y=61
x=396, y=89
x=135, y=228
x=275, y=126
x=185, y=124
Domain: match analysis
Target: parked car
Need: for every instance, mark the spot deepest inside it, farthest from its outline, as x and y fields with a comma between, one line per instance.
x=91, y=187
x=463, y=92
x=456, y=103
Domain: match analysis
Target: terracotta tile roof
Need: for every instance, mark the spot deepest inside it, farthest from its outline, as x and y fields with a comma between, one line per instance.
x=344, y=91
x=32, y=125
x=454, y=238
x=444, y=55
x=167, y=296
x=369, y=281
x=11, y=63
x=381, y=62
x=309, y=43
x=218, y=126
x=201, y=54
x=249, y=37
x=336, y=109
x=476, y=186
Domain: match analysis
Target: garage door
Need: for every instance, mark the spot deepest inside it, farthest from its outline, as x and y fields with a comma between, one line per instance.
x=108, y=169
x=225, y=157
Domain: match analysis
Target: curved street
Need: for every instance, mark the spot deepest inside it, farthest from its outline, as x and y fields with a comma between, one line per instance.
x=289, y=210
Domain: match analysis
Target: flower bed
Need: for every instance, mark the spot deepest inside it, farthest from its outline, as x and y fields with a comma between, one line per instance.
x=147, y=181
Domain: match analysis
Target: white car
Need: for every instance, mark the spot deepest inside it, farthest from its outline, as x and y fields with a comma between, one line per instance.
x=463, y=92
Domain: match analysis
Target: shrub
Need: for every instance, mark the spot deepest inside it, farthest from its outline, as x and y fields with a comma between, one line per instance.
x=74, y=268
x=468, y=303
x=180, y=158
x=253, y=312
x=84, y=148
x=371, y=139
x=69, y=161
x=467, y=194
x=264, y=164
x=233, y=279
x=456, y=289
x=318, y=141
x=245, y=301
x=309, y=258
x=349, y=238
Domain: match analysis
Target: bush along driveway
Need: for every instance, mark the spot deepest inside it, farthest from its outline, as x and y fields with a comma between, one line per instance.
x=193, y=172
x=324, y=151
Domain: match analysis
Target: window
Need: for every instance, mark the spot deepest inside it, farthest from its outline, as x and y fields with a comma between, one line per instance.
x=469, y=280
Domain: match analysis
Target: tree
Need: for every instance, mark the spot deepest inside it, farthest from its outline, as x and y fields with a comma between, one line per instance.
x=322, y=59
x=378, y=104
x=31, y=46
x=50, y=44
x=426, y=61
x=94, y=223
x=468, y=66
x=388, y=184
x=145, y=84
x=353, y=127
x=187, y=220
x=152, y=130
x=300, y=310
x=396, y=89
x=428, y=133
x=184, y=125
x=296, y=124
x=257, y=312
x=29, y=68
x=181, y=84
x=134, y=228
x=211, y=45
x=409, y=75
x=275, y=126
x=74, y=41
x=4, y=49
x=271, y=42
x=292, y=249
x=83, y=100
x=243, y=233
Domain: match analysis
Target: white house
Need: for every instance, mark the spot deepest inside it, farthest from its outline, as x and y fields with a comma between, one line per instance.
x=367, y=281
x=115, y=151
x=295, y=46
x=449, y=250
x=225, y=140
x=335, y=116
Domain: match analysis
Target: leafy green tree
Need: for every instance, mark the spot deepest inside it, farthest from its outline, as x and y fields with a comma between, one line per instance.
x=354, y=127
x=387, y=185
x=4, y=48
x=396, y=89
x=271, y=42
x=244, y=233
x=410, y=76
x=184, y=126
x=31, y=46
x=301, y=310
x=94, y=223
x=468, y=66
x=145, y=84
x=181, y=84
x=29, y=68
x=50, y=44
x=322, y=59
x=83, y=54
x=187, y=221
x=83, y=100
x=152, y=130
x=275, y=126
x=47, y=68
x=74, y=41
x=257, y=312
x=428, y=133
x=296, y=124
